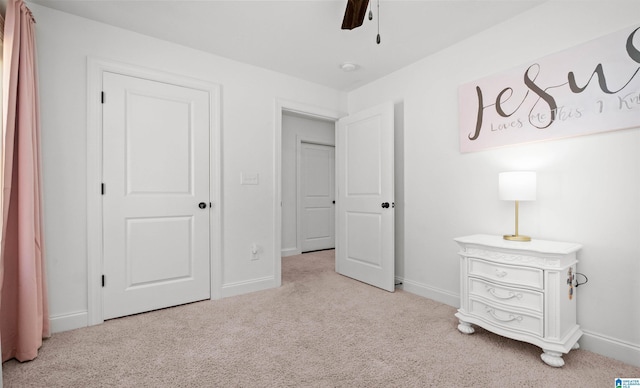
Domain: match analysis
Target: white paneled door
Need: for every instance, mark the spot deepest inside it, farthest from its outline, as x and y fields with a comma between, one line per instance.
x=156, y=195
x=365, y=207
x=317, y=178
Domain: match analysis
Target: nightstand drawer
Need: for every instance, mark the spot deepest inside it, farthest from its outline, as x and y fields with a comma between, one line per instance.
x=512, y=320
x=511, y=296
x=503, y=273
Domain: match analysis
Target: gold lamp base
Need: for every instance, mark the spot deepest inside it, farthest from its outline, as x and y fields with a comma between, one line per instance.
x=516, y=237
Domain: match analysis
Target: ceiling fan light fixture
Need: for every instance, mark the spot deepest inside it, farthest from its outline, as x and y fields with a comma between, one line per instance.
x=348, y=67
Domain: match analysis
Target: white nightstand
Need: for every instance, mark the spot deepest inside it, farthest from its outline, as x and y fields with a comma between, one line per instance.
x=520, y=290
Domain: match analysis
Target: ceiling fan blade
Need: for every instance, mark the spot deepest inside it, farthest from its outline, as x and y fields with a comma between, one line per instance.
x=354, y=14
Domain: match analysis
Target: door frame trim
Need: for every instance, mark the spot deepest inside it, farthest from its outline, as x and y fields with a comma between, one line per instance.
x=282, y=105
x=299, y=141
x=96, y=67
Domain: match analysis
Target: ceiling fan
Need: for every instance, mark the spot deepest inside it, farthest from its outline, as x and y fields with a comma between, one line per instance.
x=354, y=15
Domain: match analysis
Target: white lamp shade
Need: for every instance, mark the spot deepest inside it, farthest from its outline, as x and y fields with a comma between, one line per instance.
x=517, y=186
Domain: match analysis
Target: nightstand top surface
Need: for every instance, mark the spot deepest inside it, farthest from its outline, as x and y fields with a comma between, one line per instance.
x=535, y=245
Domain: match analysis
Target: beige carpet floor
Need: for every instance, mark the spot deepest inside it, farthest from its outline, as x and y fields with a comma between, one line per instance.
x=319, y=329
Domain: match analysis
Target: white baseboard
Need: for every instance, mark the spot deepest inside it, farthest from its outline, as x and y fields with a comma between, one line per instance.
x=610, y=347
x=290, y=252
x=245, y=287
x=593, y=342
x=66, y=322
x=437, y=294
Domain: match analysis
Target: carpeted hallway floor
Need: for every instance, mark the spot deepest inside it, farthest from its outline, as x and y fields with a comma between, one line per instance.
x=319, y=329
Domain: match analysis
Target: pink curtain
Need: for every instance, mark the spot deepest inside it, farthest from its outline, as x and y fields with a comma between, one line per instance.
x=24, y=316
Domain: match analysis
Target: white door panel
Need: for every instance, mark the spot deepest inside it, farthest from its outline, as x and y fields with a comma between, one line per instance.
x=159, y=164
x=365, y=249
x=317, y=187
x=156, y=172
x=148, y=239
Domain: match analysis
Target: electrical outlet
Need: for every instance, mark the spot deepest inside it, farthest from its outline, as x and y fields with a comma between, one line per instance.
x=254, y=252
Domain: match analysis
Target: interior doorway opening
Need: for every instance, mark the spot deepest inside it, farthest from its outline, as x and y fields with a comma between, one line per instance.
x=292, y=111
x=308, y=183
x=371, y=129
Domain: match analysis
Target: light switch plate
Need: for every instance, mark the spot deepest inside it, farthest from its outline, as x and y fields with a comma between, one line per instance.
x=249, y=178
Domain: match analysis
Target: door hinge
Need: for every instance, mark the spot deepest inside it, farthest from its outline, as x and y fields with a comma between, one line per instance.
x=103, y=280
x=102, y=97
x=102, y=189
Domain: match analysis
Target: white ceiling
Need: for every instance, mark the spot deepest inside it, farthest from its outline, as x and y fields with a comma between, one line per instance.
x=303, y=38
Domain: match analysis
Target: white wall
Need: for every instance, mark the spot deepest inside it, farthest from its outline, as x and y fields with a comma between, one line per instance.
x=249, y=97
x=294, y=129
x=588, y=187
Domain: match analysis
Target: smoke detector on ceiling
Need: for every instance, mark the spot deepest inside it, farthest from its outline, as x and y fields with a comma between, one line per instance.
x=347, y=66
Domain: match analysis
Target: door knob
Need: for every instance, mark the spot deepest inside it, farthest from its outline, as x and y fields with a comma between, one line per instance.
x=385, y=205
x=202, y=205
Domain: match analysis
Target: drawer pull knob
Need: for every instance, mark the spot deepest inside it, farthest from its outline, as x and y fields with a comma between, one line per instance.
x=500, y=273
x=510, y=294
x=511, y=317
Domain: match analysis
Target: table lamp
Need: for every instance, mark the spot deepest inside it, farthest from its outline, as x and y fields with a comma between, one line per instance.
x=517, y=186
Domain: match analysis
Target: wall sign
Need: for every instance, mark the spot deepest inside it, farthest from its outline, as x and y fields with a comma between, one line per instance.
x=594, y=87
